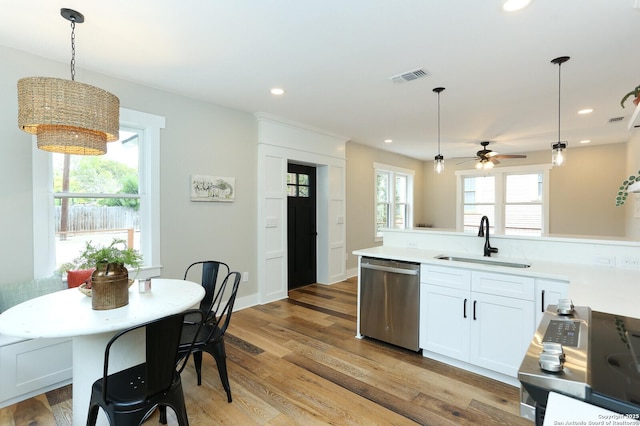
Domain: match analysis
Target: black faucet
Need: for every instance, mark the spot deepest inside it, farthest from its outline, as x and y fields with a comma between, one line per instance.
x=484, y=223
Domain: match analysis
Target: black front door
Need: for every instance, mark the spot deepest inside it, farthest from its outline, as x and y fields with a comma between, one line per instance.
x=301, y=225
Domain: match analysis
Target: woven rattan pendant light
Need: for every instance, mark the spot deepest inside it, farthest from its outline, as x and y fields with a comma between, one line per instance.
x=68, y=117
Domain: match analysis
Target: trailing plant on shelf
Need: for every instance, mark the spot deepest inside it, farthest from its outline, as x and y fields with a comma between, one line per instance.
x=621, y=197
x=636, y=95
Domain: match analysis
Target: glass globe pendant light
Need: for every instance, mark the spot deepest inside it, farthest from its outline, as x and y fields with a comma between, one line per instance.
x=559, y=149
x=438, y=162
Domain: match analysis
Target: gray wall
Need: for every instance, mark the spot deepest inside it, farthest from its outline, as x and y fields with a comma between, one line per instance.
x=199, y=138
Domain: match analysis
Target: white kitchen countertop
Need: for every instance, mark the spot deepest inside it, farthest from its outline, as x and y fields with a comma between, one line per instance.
x=601, y=287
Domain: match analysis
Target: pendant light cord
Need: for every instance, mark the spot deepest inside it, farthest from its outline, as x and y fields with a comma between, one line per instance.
x=559, y=61
x=439, y=123
x=559, y=91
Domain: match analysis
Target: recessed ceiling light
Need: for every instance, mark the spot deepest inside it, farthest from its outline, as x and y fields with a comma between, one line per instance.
x=586, y=111
x=513, y=5
x=585, y=141
x=277, y=91
x=388, y=140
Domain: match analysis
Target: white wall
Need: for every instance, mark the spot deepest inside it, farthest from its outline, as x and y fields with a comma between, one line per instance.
x=199, y=138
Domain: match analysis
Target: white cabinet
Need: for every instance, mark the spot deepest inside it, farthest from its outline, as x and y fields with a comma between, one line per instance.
x=485, y=319
x=32, y=367
x=548, y=292
x=501, y=330
x=444, y=327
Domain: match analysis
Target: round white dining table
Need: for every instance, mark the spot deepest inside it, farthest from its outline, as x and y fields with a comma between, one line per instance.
x=68, y=313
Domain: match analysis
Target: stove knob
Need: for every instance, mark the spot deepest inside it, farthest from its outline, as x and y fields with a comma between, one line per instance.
x=565, y=307
x=552, y=357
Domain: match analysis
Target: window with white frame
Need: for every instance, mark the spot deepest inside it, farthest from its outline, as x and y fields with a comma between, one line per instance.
x=479, y=200
x=98, y=198
x=394, y=197
x=515, y=199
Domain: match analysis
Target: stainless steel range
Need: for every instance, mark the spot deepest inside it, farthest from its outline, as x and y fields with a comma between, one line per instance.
x=591, y=356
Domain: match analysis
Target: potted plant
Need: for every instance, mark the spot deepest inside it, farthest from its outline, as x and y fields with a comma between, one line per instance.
x=635, y=93
x=116, y=252
x=109, y=281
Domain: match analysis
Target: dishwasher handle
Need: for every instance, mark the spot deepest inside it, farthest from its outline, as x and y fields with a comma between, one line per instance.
x=390, y=269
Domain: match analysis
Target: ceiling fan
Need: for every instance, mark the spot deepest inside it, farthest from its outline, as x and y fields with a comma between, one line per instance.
x=487, y=158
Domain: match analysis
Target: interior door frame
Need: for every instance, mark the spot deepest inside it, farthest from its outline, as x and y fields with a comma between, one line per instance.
x=280, y=142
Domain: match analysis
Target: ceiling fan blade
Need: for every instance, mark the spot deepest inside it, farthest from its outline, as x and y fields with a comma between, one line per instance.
x=466, y=161
x=491, y=154
x=510, y=156
x=494, y=160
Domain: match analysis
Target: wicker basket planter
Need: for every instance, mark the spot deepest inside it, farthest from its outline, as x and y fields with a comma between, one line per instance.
x=109, y=286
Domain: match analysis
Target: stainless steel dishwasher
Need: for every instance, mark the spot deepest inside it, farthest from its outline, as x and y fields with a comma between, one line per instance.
x=390, y=301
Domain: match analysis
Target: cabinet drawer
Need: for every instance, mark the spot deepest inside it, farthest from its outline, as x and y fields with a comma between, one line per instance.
x=504, y=285
x=446, y=277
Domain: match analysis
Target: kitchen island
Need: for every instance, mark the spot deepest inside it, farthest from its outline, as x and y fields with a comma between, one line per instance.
x=604, y=288
x=510, y=299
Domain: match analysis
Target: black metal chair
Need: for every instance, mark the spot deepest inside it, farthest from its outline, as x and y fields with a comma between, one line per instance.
x=129, y=396
x=210, y=336
x=208, y=270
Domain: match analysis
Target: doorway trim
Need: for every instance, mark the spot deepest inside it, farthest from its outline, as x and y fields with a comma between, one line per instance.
x=279, y=142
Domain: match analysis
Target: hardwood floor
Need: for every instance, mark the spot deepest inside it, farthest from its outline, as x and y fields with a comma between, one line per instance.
x=297, y=362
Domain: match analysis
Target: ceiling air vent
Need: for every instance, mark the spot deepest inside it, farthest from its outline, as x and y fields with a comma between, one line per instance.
x=615, y=119
x=410, y=75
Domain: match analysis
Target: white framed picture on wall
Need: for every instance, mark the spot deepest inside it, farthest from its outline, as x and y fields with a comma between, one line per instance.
x=213, y=188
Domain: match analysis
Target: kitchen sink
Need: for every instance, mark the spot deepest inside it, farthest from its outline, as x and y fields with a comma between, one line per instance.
x=483, y=261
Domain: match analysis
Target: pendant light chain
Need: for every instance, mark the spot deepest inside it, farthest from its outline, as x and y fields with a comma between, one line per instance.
x=73, y=49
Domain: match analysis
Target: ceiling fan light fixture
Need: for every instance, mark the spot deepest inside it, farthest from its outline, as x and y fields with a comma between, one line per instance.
x=559, y=149
x=484, y=164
